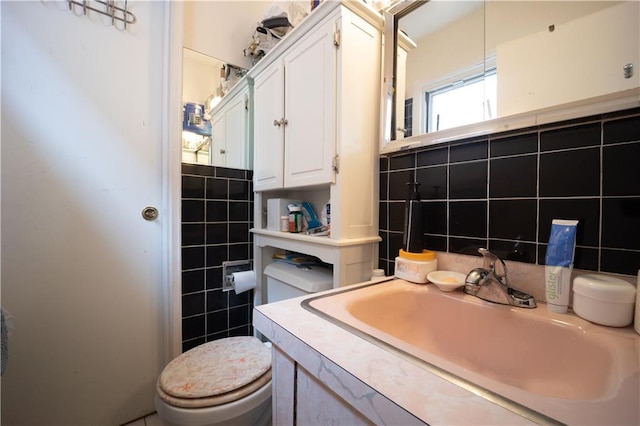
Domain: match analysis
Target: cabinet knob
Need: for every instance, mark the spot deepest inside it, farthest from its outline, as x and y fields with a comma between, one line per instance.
x=281, y=122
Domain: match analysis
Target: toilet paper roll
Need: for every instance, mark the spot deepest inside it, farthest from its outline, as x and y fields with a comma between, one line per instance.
x=243, y=281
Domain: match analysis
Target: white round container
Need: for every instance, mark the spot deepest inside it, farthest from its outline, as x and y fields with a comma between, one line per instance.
x=603, y=299
x=378, y=275
x=415, y=267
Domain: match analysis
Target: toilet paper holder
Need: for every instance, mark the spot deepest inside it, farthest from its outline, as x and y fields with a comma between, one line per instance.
x=231, y=266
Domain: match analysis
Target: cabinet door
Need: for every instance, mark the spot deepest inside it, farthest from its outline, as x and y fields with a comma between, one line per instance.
x=236, y=132
x=218, y=140
x=319, y=405
x=310, y=109
x=268, y=134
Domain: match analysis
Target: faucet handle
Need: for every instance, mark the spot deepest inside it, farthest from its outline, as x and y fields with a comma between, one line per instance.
x=490, y=262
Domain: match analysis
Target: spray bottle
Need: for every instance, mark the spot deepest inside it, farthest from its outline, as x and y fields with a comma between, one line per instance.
x=413, y=262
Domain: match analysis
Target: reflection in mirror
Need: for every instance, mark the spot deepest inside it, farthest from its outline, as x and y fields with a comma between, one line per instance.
x=444, y=80
x=553, y=53
x=481, y=60
x=444, y=71
x=205, y=80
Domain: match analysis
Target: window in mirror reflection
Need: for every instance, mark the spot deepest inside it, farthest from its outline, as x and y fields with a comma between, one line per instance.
x=546, y=54
x=463, y=102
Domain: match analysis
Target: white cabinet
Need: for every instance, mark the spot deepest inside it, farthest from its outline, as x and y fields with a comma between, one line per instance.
x=295, y=114
x=310, y=108
x=231, y=131
x=316, y=136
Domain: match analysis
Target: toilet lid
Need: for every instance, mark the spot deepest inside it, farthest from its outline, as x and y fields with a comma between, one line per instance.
x=216, y=368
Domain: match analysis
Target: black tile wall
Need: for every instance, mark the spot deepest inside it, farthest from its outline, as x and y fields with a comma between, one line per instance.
x=502, y=191
x=217, y=205
x=408, y=117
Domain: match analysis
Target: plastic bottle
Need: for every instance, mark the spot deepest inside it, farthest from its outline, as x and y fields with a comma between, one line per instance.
x=284, y=223
x=295, y=219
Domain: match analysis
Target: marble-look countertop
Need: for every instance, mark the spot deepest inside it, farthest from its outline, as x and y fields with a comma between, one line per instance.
x=384, y=386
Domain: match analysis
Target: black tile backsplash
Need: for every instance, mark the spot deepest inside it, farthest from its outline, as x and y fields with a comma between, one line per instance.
x=433, y=157
x=217, y=211
x=468, y=218
x=433, y=182
x=217, y=205
x=512, y=219
x=217, y=189
x=408, y=117
x=434, y=216
x=192, y=211
x=570, y=173
x=468, y=180
x=403, y=162
x=396, y=216
x=477, y=150
x=617, y=179
x=513, y=177
x=571, y=137
x=398, y=188
x=502, y=191
x=514, y=145
x=627, y=130
x=621, y=223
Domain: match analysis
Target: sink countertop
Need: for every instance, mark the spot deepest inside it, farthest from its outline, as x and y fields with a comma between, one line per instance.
x=384, y=386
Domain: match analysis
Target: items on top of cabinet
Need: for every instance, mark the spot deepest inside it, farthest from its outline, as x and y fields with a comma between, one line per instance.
x=275, y=25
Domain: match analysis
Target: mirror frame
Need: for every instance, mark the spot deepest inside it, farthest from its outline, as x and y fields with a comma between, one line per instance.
x=390, y=64
x=626, y=99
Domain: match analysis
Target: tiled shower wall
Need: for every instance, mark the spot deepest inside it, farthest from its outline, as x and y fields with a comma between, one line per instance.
x=502, y=191
x=217, y=213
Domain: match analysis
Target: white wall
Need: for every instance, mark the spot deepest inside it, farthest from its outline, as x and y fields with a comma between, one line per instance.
x=81, y=270
x=200, y=76
x=580, y=59
x=459, y=46
x=222, y=29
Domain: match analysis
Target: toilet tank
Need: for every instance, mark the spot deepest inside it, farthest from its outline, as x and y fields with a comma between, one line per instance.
x=285, y=281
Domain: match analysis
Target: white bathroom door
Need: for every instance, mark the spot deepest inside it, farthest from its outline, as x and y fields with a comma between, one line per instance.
x=82, y=270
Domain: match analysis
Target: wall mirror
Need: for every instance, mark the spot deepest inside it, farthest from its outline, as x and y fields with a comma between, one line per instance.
x=468, y=67
x=205, y=82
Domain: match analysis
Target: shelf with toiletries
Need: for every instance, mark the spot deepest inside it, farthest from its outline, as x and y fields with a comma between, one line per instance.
x=353, y=256
x=316, y=132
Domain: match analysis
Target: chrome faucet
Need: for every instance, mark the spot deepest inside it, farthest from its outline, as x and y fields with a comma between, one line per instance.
x=492, y=284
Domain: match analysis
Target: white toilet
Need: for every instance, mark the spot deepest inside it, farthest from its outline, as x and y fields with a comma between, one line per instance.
x=228, y=381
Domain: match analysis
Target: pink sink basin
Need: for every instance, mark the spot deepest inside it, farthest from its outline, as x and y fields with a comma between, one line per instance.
x=558, y=365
